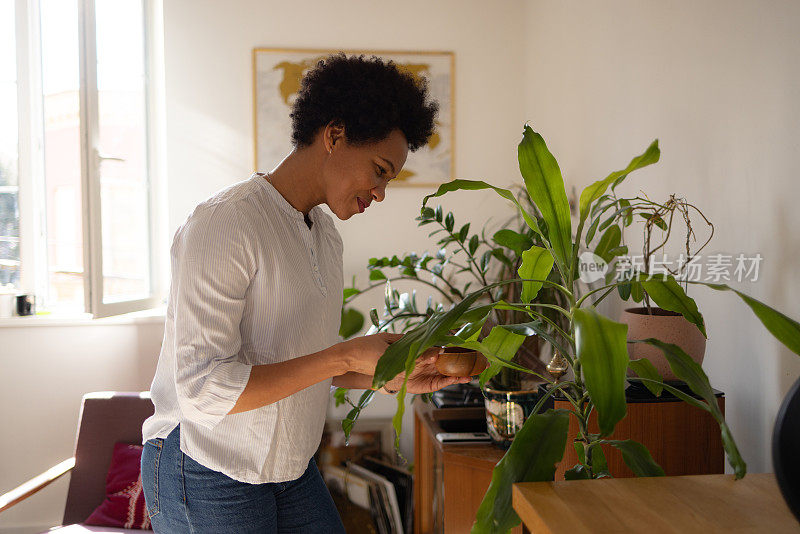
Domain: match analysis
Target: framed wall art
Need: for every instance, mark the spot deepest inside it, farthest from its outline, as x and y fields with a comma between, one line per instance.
x=276, y=79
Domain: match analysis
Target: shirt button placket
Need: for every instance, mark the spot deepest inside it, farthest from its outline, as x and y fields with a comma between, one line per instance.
x=314, y=263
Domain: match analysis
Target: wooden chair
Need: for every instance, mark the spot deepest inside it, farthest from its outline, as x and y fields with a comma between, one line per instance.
x=106, y=418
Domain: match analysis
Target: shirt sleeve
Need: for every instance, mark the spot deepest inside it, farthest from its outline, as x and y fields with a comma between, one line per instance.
x=214, y=267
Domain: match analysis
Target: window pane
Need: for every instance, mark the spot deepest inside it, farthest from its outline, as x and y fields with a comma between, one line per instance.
x=124, y=183
x=62, y=152
x=9, y=147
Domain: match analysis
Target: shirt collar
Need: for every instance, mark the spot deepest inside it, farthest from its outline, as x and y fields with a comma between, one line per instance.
x=282, y=202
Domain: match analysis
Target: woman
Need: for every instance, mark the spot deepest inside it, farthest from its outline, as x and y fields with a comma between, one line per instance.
x=251, y=345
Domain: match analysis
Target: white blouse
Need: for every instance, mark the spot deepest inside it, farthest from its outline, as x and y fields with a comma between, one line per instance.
x=251, y=284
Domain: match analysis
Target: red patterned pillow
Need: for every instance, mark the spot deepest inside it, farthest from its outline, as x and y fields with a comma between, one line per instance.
x=124, y=506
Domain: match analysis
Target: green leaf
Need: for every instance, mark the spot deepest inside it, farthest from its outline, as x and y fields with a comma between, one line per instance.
x=484, y=261
x=397, y=419
x=624, y=290
x=532, y=457
x=610, y=240
x=546, y=188
x=618, y=251
x=598, y=460
x=473, y=244
x=601, y=347
x=473, y=315
x=579, y=472
x=596, y=190
x=669, y=295
x=785, y=329
x=580, y=451
x=463, y=233
x=655, y=219
x=449, y=221
x=349, y=421
x=437, y=214
x=645, y=369
x=592, y=229
x=536, y=264
x=690, y=372
x=605, y=224
x=349, y=292
x=637, y=293
x=340, y=395
x=470, y=323
x=376, y=274
x=503, y=344
x=513, y=240
x=352, y=322
x=637, y=457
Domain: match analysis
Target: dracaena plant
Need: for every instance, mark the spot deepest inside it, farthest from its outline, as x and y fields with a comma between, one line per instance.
x=594, y=345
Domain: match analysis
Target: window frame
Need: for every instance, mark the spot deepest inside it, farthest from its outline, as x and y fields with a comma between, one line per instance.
x=31, y=172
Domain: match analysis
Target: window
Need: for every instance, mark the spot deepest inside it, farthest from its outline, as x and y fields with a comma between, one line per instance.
x=80, y=156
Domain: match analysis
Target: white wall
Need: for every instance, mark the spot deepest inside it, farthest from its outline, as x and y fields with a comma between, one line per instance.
x=718, y=83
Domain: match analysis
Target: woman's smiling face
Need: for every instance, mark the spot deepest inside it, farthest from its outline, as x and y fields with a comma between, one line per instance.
x=356, y=175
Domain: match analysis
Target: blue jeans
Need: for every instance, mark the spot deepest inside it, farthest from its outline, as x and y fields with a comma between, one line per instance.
x=184, y=496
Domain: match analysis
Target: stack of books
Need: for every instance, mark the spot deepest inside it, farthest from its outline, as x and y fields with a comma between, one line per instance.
x=378, y=486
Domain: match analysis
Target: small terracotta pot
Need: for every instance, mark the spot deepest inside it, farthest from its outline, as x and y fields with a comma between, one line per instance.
x=458, y=361
x=667, y=326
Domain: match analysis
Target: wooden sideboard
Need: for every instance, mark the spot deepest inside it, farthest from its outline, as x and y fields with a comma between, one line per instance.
x=450, y=480
x=683, y=439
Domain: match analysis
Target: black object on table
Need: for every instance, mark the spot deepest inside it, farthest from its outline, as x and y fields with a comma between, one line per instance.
x=785, y=444
x=458, y=395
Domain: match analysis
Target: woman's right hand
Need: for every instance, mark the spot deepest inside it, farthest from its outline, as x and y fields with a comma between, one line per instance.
x=362, y=353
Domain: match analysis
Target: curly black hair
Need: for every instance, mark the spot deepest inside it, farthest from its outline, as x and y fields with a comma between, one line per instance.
x=370, y=97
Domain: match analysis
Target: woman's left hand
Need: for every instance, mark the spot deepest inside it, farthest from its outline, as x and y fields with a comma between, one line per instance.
x=425, y=378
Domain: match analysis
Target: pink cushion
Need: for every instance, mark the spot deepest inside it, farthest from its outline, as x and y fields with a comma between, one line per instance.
x=124, y=505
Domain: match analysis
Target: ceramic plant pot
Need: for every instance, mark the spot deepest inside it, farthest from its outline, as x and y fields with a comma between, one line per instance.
x=667, y=326
x=457, y=361
x=506, y=411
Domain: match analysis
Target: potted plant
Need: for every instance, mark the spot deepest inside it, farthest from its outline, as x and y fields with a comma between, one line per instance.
x=607, y=220
x=594, y=346
x=461, y=260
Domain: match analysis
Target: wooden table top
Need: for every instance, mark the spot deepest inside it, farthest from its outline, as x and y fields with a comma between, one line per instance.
x=685, y=504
